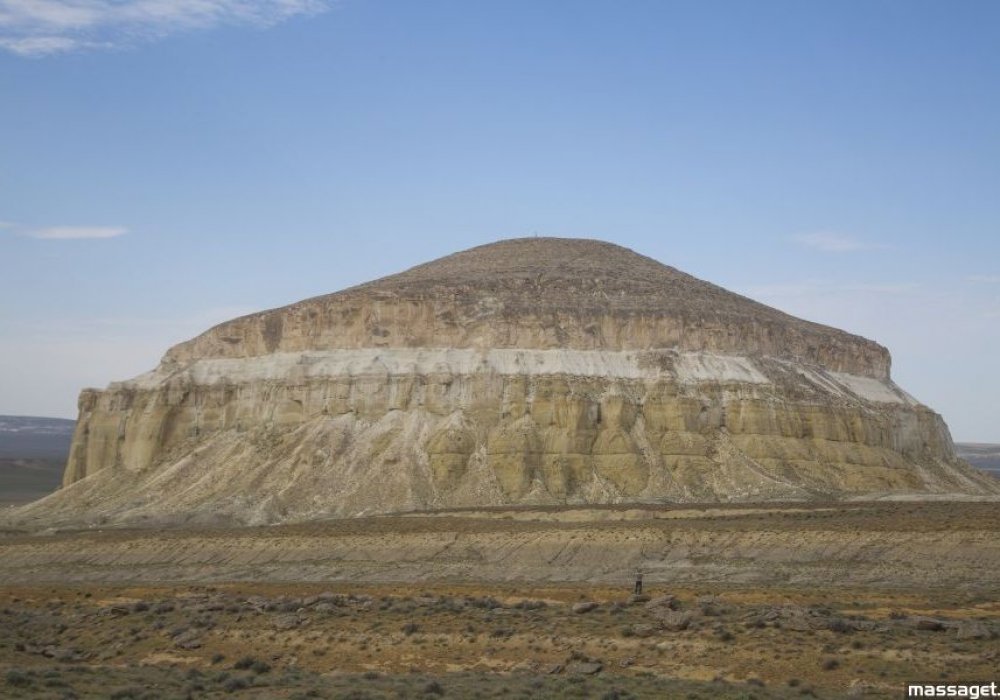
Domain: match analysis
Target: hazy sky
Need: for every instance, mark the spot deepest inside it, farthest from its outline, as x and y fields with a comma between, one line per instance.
x=168, y=164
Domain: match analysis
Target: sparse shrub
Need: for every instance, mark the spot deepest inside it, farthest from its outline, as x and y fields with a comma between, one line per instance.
x=235, y=683
x=18, y=679
x=244, y=663
x=203, y=622
x=710, y=605
x=433, y=688
x=839, y=625
x=410, y=628
x=830, y=664
x=260, y=666
x=356, y=695
x=218, y=658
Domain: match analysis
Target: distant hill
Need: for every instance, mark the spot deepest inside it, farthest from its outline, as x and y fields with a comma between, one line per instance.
x=33, y=454
x=980, y=455
x=29, y=436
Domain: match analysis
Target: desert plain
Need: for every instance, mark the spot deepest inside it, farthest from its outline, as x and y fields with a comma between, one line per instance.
x=828, y=600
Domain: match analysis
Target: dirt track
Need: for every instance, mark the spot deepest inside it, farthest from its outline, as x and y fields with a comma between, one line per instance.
x=880, y=545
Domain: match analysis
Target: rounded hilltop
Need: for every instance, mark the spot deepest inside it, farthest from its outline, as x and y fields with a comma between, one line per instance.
x=572, y=276
x=539, y=293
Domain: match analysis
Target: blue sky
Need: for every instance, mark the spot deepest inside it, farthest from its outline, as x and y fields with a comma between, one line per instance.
x=168, y=164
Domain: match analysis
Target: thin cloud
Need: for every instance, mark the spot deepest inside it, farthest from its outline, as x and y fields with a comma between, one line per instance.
x=76, y=232
x=45, y=45
x=834, y=243
x=984, y=279
x=37, y=28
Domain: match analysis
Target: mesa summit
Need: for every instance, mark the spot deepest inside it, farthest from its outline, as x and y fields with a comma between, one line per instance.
x=528, y=371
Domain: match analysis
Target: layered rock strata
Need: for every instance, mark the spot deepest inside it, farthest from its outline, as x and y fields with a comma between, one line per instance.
x=532, y=371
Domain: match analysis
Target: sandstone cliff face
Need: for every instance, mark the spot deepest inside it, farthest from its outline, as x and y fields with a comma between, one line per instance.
x=532, y=371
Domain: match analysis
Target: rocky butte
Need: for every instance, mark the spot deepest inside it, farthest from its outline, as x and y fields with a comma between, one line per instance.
x=529, y=371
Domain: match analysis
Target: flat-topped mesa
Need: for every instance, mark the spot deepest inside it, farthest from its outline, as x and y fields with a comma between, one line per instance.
x=540, y=293
x=531, y=371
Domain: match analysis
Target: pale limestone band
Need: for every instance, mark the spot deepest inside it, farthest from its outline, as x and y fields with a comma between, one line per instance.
x=666, y=365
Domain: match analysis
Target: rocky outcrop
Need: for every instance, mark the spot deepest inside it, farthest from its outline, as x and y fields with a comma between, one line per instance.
x=527, y=371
